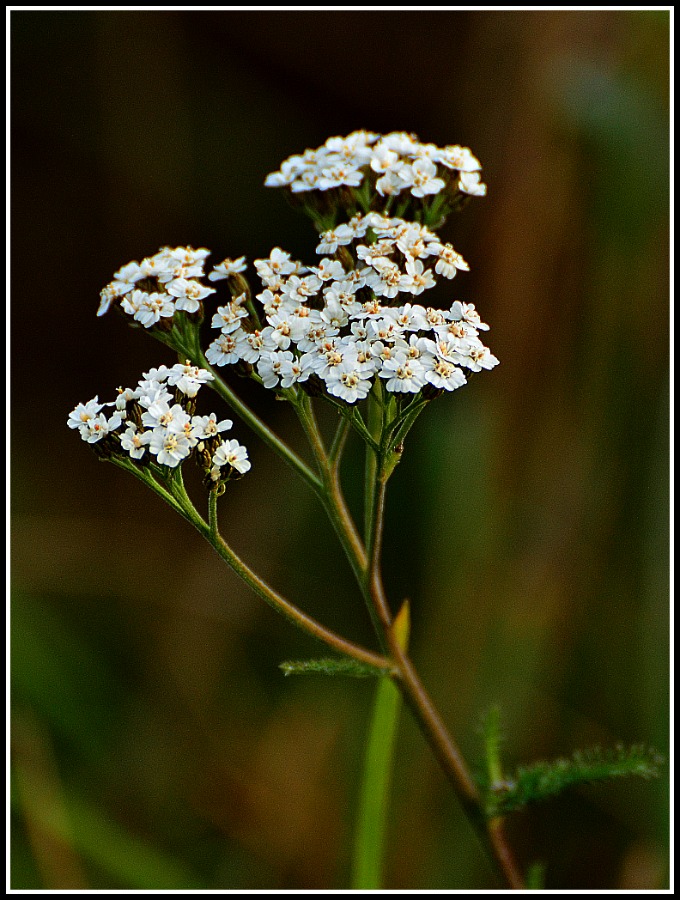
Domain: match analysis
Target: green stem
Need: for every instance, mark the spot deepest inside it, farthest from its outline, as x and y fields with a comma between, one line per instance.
x=431, y=724
x=371, y=467
x=338, y=444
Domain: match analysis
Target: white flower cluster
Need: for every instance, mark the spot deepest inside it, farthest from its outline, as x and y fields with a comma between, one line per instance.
x=170, y=282
x=157, y=416
x=335, y=321
x=396, y=162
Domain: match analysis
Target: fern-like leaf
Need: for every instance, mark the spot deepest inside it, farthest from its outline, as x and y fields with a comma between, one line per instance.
x=543, y=780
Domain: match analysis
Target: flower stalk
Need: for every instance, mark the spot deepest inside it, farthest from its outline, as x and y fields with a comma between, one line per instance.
x=337, y=330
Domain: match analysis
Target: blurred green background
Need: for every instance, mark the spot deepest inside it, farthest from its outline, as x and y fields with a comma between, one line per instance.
x=155, y=742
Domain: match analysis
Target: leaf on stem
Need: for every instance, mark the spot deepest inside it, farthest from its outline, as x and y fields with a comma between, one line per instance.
x=543, y=780
x=329, y=666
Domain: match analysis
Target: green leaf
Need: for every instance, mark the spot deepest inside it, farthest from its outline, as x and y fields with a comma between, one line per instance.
x=330, y=666
x=543, y=780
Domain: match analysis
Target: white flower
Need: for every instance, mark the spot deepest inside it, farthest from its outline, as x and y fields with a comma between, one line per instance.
x=448, y=348
x=227, y=268
x=106, y=297
x=156, y=375
x=161, y=415
x=290, y=169
x=271, y=364
x=84, y=412
x=443, y=374
x=382, y=158
x=316, y=333
x=159, y=264
x=174, y=271
x=455, y=157
x=279, y=263
x=126, y=277
x=187, y=256
x=98, y=427
x=208, y=426
x=294, y=370
x=468, y=313
x=125, y=396
x=333, y=313
x=348, y=382
x=411, y=317
x=133, y=302
x=399, y=141
x=420, y=176
x=307, y=181
x=277, y=335
x=233, y=454
x=449, y=262
x=470, y=183
x=135, y=441
x=188, y=293
x=337, y=175
x=417, y=279
x=249, y=345
x=403, y=375
x=228, y=318
x=223, y=350
x=188, y=378
x=154, y=307
x=329, y=270
x=170, y=447
x=476, y=356
x=385, y=329
x=434, y=316
x=300, y=289
x=390, y=183
x=150, y=391
x=386, y=280
x=337, y=237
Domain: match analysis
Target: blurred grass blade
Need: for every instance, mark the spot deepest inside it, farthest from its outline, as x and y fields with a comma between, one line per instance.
x=535, y=880
x=377, y=776
x=492, y=745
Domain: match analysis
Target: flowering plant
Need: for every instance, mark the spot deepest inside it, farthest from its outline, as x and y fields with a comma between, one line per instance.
x=351, y=330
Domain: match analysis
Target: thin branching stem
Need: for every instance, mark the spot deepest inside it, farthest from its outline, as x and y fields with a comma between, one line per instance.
x=176, y=496
x=338, y=444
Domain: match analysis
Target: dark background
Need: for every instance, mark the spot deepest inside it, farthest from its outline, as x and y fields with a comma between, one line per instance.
x=156, y=744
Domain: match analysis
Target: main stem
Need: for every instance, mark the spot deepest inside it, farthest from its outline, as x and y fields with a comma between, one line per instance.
x=427, y=716
x=368, y=572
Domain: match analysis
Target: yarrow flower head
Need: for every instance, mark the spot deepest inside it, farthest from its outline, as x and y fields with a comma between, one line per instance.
x=155, y=424
x=356, y=319
x=152, y=291
x=354, y=323
x=387, y=166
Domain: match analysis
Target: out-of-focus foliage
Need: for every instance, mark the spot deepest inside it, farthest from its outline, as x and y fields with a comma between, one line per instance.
x=155, y=741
